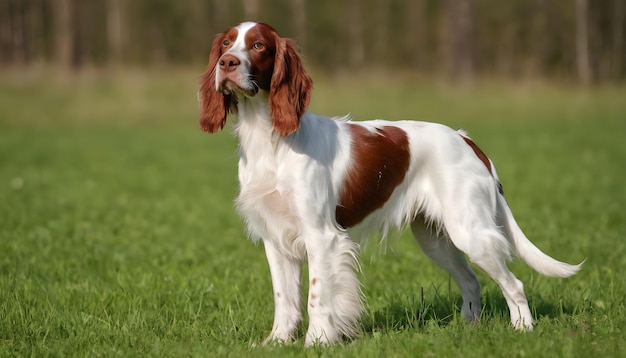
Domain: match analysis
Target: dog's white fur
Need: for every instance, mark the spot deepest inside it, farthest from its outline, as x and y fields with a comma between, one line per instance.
x=289, y=191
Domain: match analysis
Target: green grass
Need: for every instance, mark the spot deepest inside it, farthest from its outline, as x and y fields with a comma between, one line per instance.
x=118, y=235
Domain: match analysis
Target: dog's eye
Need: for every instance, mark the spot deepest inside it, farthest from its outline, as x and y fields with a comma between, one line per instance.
x=258, y=46
x=225, y=43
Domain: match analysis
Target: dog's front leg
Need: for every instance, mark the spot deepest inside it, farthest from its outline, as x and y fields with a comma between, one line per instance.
x=334, y=302
x=286, y=272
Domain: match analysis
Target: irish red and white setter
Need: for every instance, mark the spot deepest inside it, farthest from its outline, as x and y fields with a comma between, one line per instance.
x=309, y=184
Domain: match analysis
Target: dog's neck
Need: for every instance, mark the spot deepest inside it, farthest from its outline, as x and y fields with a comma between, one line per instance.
x=254, y=130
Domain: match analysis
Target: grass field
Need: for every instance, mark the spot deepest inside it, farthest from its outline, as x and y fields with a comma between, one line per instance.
x=118, y=235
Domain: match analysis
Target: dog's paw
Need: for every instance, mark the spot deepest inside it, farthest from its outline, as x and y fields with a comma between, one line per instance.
x=321, y=337
x=524, y=325
x=275, y=340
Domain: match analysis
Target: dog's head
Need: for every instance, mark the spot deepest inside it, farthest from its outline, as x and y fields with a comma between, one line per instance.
x=249, y=58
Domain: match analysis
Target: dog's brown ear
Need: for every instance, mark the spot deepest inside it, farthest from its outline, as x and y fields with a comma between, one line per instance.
x=290, y=90
x=214, y=105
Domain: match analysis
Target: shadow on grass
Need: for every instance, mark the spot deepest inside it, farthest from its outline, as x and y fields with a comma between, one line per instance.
x=550, y=308
x=414, y=312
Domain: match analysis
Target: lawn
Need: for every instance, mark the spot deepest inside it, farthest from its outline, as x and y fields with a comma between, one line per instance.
x=118, y=236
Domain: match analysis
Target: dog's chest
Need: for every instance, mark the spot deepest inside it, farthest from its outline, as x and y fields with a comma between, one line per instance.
x=266, y=200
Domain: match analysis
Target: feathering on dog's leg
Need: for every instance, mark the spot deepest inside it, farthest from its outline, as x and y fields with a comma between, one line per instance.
x=286, y=273
x=334, y=302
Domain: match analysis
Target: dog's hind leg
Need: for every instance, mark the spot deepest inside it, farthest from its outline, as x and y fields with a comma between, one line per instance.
x=486, y=247
x=439, y=249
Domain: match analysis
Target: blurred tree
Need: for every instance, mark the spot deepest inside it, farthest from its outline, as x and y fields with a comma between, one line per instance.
x=355, y=33
x=538, y=39
x=298, y=11
x=379, y=42
x=64, y=21
x=251, y=10
x=416, y=34
x=220, y=15
x=580, y=39
x=5, y=32
x=199, y=29
x=459, y=39
x=18, y=9
x=114, y=32
x=617, y=57
x=583, y=65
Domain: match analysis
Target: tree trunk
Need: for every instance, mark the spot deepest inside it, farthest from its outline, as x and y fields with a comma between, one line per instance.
x=583, y=65
x=459, y=28
x=5, y=32
x=221, y=15
x=64, y=37
x=355, y=33
x=618, y=39
x=380, y=41
x=538, y=43
x=251, y=10
x=298, y=10
x=416, y=37
x=114, y=32
x=35, y=43
x=17, y=32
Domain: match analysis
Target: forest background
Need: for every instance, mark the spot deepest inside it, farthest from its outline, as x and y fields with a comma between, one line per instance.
x=577, y=40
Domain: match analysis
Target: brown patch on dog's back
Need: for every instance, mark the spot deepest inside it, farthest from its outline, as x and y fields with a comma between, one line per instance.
x=381, y=160
x=483, y=158
x=479, y=153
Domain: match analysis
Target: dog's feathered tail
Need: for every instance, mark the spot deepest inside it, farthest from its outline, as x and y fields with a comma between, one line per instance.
x=525, y=249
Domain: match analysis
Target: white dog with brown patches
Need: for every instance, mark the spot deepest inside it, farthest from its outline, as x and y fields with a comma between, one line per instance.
x=308, y=183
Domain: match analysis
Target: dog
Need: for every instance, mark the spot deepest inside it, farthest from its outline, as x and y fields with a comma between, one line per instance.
x=310, y=184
